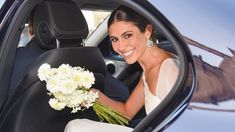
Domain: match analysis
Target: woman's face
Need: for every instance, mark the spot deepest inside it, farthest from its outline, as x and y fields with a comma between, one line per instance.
x=127, y=40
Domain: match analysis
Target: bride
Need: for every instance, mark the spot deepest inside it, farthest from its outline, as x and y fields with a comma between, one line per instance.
x=132, y=37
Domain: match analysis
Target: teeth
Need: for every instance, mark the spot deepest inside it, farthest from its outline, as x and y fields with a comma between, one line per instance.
x=128, y=53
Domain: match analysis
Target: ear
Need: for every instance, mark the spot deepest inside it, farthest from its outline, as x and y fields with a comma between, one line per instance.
x=148, y=31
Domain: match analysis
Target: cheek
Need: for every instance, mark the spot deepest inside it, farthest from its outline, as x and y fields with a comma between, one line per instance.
x=115, y=47
x=138, y=41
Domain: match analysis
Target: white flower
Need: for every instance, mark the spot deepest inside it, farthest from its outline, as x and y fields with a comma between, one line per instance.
x=75, y=99
x=53, y=85
x=90, y=98
x=86, y=79
x=64, y=69
x=69, y=86
x=44, y=72
x=61, y=97
x=55, y=104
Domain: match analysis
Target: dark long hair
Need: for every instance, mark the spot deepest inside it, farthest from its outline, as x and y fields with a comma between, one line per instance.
x=123, y=13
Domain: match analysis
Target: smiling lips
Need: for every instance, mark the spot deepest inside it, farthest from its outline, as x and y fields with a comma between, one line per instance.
x=125, y=54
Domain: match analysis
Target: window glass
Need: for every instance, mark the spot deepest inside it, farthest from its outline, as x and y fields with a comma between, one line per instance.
x=1, y=10
x=94, y=18
x=24, y=37
x=1, y=3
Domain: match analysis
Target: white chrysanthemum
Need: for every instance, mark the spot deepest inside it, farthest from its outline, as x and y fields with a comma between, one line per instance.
x=90, y=98
x=75, y=99
x=55, y=104
x=66, y=84
x=60, y=96
x=87, y=79
x=53, y=85
x=64, y=69
x=44, y=72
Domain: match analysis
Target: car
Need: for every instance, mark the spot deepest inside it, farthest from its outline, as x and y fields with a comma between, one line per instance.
x=200, y=33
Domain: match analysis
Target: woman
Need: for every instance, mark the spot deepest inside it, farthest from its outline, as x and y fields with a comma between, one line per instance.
x=131, y=36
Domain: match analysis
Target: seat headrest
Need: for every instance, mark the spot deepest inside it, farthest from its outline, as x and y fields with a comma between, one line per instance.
x=61, y=20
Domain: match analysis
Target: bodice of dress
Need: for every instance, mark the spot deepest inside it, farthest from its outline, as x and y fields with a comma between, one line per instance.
x=167, y=76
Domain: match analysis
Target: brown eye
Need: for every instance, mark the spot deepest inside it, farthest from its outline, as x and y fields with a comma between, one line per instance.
x=126, y=36
x=113, y=40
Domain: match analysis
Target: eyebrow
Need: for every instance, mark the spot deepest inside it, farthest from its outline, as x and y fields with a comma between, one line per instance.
x=112, y=37
x=126, y=33
x=122, y=34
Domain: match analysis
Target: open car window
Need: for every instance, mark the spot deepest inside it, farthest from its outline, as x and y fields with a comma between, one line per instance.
x=94, y=18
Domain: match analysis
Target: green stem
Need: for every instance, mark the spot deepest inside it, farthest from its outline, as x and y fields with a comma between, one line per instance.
x=108, y=114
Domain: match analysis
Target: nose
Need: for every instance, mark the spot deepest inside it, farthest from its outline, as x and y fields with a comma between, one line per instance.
x=122, y=45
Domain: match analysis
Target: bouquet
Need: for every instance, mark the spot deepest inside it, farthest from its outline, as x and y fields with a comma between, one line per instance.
x=70, y=87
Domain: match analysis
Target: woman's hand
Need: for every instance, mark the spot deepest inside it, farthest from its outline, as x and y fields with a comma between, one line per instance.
x=96, y=90
x=100, y=94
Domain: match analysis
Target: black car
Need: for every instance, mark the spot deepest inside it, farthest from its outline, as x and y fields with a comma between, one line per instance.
x=75, y=32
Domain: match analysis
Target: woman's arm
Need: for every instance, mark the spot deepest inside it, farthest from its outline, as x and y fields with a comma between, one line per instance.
x=133, y=104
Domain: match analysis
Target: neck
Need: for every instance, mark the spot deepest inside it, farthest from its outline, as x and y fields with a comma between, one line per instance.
x=151, y=58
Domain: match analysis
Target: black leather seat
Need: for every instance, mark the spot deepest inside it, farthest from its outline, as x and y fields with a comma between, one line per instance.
x=68, y=26
x=24, y=57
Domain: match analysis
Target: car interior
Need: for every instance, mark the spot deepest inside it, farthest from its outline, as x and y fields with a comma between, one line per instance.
x=59, y=38
x=56, y=42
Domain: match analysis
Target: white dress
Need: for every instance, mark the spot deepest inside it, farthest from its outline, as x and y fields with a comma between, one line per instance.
x=167, y=76
x=168, y=73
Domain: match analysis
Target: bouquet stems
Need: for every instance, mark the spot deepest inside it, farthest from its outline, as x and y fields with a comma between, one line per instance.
x=108, y=114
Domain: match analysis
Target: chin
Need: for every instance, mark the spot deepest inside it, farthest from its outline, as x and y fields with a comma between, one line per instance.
x=130, y=61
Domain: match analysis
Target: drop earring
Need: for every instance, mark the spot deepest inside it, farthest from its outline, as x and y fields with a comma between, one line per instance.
x=149, y=43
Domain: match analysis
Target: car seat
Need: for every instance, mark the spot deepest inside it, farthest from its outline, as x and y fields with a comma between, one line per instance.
x=68, y=27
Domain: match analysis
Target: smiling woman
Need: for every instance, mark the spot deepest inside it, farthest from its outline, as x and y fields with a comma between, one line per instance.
x=131, y=37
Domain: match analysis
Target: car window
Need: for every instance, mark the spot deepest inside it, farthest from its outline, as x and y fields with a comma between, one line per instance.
x=1, y=3
x=24, y=37
x=94, y=18
x=1, y=9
